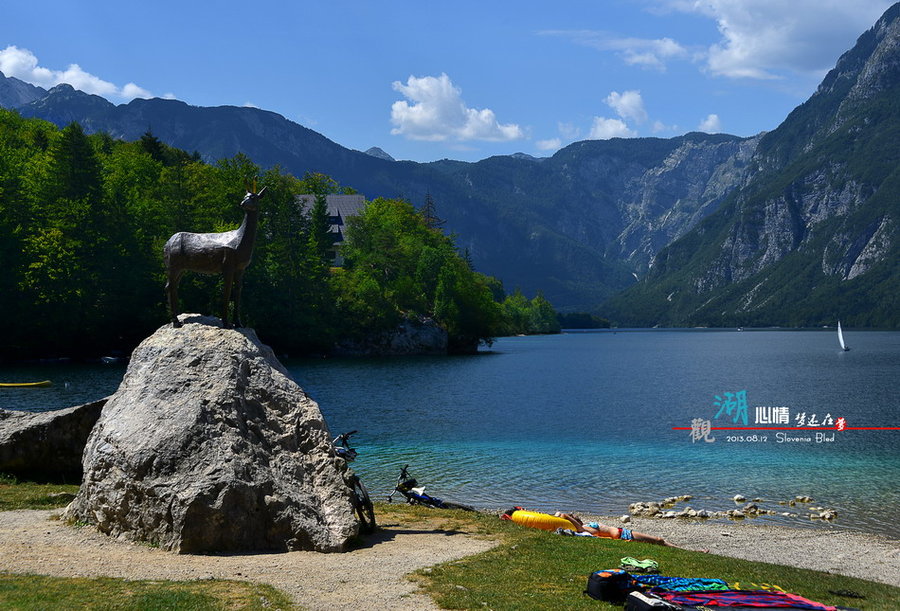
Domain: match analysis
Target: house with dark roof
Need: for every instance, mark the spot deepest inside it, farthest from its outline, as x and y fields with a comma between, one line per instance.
x=340, y=208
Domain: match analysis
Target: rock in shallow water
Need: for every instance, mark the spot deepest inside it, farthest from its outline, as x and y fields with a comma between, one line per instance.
x=208, y=445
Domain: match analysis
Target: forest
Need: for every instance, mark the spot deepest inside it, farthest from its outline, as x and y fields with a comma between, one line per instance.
x=83, y=219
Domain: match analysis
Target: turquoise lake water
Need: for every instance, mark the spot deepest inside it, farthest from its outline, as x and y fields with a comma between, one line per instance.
x=584, y=421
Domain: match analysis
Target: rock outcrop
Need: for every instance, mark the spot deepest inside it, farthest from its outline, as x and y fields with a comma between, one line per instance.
x=208, y=445
x=46, y=445
x=413, y=336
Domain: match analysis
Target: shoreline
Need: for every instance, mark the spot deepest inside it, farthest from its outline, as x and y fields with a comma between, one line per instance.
x=867, y=556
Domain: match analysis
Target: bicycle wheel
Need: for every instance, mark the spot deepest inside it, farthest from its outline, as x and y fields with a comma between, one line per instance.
x=362, y=505
x=452, y=505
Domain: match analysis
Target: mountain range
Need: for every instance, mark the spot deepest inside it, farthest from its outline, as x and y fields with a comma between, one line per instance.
x=796, y=226
x=812, y=234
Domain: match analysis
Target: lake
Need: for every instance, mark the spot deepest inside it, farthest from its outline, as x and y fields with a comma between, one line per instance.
x=593, y=421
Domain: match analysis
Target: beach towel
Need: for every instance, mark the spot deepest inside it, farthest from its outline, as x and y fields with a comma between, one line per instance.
x=680, y=584
x=741, y=585
x=742, y=598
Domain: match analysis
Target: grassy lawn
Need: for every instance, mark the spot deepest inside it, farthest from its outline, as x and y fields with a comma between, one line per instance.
x=534, y=569
x=530, y=569
x=29, y=495
x=39, y=592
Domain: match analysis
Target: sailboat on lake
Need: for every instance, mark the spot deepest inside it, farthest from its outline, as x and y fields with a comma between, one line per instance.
x=841, y=338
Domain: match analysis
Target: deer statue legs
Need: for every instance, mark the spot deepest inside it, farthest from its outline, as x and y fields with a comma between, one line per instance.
x=173, y=277
x=231, y=281
x=232, y=286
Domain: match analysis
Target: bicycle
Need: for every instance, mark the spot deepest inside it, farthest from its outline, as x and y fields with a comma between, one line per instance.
x=415, y=494
x=362, y=504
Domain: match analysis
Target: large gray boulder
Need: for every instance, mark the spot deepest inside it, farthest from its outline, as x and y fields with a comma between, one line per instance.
x=208, y=445
x=46, y=445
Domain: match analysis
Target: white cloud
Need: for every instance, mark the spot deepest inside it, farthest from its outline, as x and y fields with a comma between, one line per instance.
x=650, y=53
x=768, y=39
x=23, y=65
x=642, y=52
x=131, y=91
x=435, y=111
x=759, y=39
x=659, y=126
x=569, y=131
x=549, y=145
x=604, y=129
x=628, y=105
x=711, y=124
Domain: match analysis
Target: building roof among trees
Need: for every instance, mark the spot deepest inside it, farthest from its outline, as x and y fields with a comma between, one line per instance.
x=340, y=207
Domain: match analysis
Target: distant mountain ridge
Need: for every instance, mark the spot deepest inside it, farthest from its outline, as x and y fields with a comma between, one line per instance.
x=578, y=226
x=793, y=226
x=15, y=93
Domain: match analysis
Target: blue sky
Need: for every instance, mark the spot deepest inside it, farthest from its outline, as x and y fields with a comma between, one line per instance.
x=461, y=80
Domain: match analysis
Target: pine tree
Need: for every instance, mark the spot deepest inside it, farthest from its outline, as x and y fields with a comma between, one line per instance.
x=320, y=237
x=429, y=213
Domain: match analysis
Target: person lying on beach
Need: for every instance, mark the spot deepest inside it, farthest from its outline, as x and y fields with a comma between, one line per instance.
x=611, y=532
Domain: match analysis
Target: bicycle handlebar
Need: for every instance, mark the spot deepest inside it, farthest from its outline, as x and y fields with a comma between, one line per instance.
x=344, y=438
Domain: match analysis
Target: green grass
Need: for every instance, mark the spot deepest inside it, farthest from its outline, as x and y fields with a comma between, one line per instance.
x=39, y=592
x=534, y=569
x=31, y=495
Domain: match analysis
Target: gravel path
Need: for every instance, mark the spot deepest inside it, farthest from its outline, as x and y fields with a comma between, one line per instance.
x=374, y=576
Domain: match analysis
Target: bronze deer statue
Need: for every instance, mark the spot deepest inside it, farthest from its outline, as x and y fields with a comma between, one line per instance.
x=227, y=253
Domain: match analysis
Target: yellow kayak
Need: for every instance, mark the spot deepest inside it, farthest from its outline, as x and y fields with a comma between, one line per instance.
x=536, y=519
x=24, y=384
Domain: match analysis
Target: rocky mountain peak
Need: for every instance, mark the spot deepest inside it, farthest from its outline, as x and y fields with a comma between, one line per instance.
x=874, y=53
x=379, y=153
x=882, y=69
x=15, y=93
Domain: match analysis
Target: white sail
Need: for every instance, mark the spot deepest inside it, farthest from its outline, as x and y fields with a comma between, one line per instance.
x=841, y=338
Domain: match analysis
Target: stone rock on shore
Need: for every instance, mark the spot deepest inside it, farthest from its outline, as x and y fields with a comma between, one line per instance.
x=46, y=445
x=412, y=336
x=208, y=445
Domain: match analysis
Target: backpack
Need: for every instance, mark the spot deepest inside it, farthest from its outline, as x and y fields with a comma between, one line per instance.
x=611, y=585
